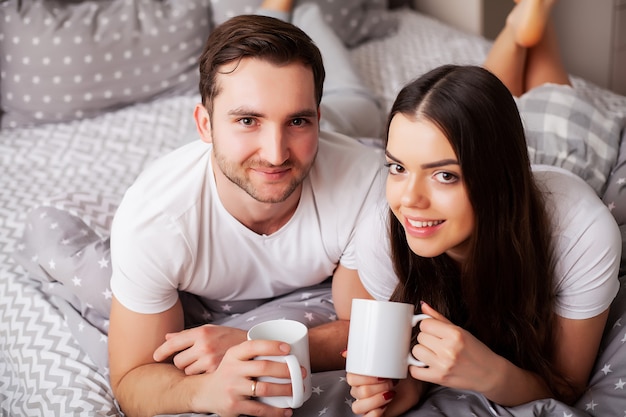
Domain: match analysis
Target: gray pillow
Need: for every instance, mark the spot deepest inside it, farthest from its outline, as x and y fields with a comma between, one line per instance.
x=65, y=60
x=354, y=21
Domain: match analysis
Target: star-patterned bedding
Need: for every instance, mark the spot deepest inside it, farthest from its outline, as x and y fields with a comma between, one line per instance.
x=51, y=343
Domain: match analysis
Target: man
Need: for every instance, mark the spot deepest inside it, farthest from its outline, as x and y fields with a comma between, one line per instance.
x=263, y=206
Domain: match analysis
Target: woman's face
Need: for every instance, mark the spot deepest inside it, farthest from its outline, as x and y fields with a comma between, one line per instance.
x=426, y=191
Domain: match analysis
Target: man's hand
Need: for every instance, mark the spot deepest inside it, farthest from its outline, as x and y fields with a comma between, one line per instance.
x=200, y=349
x=231, y=385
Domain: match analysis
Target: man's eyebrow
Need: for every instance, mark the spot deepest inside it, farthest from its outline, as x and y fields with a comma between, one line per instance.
x=243, y=111
x=434, y=164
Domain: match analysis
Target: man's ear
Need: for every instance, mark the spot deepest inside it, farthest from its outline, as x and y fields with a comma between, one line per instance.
x=203, y=122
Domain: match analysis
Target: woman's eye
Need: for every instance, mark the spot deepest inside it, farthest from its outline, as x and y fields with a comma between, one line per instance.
x=446, y=177
x=394, y=169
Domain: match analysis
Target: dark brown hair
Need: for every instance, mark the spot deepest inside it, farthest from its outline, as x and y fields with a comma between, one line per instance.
x=259, y=37
x=504, y=294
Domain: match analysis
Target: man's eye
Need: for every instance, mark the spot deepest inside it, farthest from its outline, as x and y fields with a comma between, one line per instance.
x=247, y=121
x=299, y=122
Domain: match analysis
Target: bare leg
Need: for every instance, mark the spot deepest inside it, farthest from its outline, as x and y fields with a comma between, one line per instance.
x=507, y=60
x=543, y=62
x=529, y=18
x=520, y=66
x=277, y=5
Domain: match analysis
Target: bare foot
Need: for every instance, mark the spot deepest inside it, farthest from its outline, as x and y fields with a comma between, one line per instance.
x=279, y=5
x=529, y=19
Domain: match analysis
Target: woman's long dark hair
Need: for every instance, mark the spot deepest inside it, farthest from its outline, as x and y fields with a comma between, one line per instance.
x=504, y=293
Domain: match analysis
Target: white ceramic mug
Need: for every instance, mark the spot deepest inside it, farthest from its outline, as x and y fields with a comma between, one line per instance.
x=380, y=338
x=296, y=334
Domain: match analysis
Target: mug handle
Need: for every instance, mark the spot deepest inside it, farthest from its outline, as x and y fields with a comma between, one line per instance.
x=297, y=383
x=416, y=319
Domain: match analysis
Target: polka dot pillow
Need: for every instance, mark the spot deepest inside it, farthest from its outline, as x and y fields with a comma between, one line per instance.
x=354, y=21
x=68, y=60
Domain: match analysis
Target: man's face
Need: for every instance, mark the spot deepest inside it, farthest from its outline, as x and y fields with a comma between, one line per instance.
x=264, y=128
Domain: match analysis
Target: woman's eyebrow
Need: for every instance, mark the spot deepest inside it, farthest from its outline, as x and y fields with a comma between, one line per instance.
x=428, y=165
x=440, y=163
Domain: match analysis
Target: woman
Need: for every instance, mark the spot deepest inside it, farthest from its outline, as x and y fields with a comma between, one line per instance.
x=517, y=264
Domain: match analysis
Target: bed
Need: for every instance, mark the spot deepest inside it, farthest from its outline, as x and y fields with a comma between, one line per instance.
x=81, y=159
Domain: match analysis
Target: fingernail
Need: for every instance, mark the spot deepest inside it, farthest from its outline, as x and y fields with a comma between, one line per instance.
x=389, y=395
x=344, y=353
x=285, y=347
x=422, y=303
x=288, y=412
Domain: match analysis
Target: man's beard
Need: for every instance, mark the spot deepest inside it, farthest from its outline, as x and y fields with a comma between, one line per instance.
x=237, y=175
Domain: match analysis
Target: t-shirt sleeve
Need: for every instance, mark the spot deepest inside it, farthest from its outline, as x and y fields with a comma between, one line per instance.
x=373, y=253
x=588, y=249
x=147, y=254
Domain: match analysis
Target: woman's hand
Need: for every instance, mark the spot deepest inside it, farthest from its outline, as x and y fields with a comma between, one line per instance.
x=455, y=358
x=376, y=397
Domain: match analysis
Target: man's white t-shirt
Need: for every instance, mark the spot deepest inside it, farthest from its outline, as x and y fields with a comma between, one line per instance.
x=586, y=238
x=171, y=231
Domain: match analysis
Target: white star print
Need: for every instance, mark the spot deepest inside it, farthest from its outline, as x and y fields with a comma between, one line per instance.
x=84, y=232
x=308, y=316
x=322, y=411
x=623, y=338
x=104, y=263
x=65, y=242
x=81, y=326
x=103, y=338
x=618, y=323
x=317, y=390
x=461, y=397
x=21, y=247
x=253, y=318
x=76, y=281
x=52, y=264
x=227, y=307
x=333, y=317
x=591, y=405
x=621, y=181
x=606, y=369
x=611, y=206
x=43, y=215
x=349, y=402
x=34, y=259
x=305, y=295
x=620, y=384
x=54, y=225
x=566, y=414
x=105, y=323
x=107, y=294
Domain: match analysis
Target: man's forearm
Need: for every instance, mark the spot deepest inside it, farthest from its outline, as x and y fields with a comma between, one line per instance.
x=157, y=388
x=326, y=342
